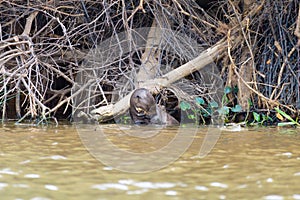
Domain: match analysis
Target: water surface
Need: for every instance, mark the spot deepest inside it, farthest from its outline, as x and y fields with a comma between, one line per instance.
x=52, y=163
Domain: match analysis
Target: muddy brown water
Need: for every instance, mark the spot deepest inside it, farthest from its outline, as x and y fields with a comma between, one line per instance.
x=40, y=163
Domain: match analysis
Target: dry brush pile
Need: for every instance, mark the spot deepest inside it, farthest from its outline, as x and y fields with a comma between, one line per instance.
x=46, y=45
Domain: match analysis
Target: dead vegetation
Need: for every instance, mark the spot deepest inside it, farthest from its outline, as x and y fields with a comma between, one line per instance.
x=58, y=56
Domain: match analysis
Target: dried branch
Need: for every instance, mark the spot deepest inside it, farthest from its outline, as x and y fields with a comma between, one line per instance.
x=297, y=29
x=29, y=23
x=155, y=85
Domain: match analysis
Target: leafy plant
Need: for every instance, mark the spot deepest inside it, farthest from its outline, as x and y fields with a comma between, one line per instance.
x=185, y=106
x=227, y=90
x=200, y=101
x=260, y=118
x=256, y=116
x=213, y=104
x=237, y=108
x=224, y=110
x=285, y=115
x=191, y=113
x=205, y=109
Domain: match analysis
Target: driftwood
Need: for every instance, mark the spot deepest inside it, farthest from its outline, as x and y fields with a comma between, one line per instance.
x=154, y=85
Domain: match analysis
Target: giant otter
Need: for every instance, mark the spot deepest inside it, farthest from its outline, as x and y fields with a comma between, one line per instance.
x=144, y=110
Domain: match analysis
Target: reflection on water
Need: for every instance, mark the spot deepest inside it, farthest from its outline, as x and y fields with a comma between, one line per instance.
x=52, y=163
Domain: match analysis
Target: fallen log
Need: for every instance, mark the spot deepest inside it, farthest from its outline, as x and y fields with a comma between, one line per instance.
x=208, y=56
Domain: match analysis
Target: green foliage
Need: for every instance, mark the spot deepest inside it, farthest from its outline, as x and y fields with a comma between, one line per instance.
x=256, y=116
x=260, y=118
x=292, y=121
x=250, y=103
x=191, y=116
x=206, y=110
x=185, y=106
x=213, y=104
x=227, y=90
x=125, y=119
x=191, y=113
x=224, y=110
x=237, y=108
x=200, y=101
x=235, y=90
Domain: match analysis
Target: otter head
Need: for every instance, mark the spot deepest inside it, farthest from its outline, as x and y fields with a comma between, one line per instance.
x=142, y=106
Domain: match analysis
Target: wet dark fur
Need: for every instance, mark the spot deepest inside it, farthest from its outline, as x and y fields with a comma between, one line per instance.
x=142, y=106
x=143, y=109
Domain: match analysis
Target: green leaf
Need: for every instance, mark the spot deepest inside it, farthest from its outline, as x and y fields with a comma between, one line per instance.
x=200, y=100
x=235, y=89
x=286, y=115
x=266, y=117
x=256, y=116
x=250, y=102
x=227, y=90
x=224, y=99
x=236, y=108
x=197, y=111
x=185, y=106
x=206, y=113
x=191, y=116
x=213, y=104
x=224, y=110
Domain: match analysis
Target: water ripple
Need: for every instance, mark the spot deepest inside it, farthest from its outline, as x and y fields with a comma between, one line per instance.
x=51, y=187
x=273, y=197
x=32, y=176
x=8, y=171
x=220, y=185
x=106, y=186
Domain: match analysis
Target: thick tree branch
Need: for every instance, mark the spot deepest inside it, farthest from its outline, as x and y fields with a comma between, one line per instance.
x=29, y=23
x=297, y=29
x=105, y=113
x=150, y=56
